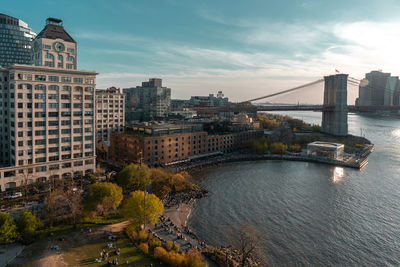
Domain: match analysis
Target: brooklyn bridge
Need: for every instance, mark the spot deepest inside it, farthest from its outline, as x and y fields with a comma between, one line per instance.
x=334, y=105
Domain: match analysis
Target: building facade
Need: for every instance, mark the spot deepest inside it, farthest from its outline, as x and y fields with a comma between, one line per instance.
x=159, y=145
x=210, y=100
x=151, y=101
x=47, y=118
x=15, y=41
x=372, y=89
x=110, y=112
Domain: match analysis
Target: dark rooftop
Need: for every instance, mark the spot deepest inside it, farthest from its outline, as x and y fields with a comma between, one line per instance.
x=55, y=30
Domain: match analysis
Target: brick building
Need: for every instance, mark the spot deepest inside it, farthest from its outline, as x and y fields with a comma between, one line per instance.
x=161, y=144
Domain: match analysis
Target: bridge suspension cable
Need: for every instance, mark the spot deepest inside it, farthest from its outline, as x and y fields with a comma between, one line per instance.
x=286, y=91
x=356, y=82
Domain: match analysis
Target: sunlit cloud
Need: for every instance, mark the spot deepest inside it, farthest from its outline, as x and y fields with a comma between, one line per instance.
x=294, y=54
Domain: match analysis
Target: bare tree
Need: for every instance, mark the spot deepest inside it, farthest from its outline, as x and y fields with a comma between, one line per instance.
x=249, y=243
x=63, y=205
x=25, y=177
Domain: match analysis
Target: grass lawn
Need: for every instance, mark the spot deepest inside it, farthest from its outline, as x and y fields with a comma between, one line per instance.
x=86, y=254
x=81, y=249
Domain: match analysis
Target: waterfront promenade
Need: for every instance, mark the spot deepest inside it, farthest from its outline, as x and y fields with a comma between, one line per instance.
x=357, y=161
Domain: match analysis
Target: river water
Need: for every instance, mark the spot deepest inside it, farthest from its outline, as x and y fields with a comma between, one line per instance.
x=312, y=214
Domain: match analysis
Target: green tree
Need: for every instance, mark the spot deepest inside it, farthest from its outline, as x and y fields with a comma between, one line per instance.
x=140, y=210
x=7, y=228
x=27, y=224
x=104, y=196
x=134, y=176
x=278, y=148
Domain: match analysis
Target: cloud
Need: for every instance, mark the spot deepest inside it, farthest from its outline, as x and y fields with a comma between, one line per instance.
x=265, y=57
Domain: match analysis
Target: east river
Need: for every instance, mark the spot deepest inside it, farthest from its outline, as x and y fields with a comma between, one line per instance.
x=312, y=214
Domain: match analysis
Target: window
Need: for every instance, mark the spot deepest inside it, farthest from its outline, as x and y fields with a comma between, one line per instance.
x=65, y=139
x=78, y=80
x=53, y=78
x=40, y=96
x=53, y=141
x=40, y=78
x=53, y=132
x=40, y=142
x=39, y=133
x=40, y=87
x=66, y=79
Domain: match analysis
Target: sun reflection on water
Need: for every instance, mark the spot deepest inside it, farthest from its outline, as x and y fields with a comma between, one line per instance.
x=396, y=133
x=338, y=174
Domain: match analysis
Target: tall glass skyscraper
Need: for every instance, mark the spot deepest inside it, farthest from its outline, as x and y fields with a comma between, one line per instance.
x=15, y=41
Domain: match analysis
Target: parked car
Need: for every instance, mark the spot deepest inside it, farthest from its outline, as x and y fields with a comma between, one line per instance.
x=15, y=195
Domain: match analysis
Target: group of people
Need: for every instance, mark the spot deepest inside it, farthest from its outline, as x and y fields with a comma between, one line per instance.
x=104, y=255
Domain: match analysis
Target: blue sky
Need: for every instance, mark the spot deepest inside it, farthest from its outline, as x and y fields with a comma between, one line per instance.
x=245, y=48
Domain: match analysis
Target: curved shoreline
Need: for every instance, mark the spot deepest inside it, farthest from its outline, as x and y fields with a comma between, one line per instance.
x=357, y=162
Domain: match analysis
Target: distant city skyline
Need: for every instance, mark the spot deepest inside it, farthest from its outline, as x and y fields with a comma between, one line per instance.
x=244, y=48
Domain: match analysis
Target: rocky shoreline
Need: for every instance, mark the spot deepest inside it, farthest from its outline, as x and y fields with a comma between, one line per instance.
x=178, y=207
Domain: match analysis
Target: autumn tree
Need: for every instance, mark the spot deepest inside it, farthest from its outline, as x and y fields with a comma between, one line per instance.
x=142, y=209
x=134, y=176
x=27, y=224
x=104, y=197
x=7, y=228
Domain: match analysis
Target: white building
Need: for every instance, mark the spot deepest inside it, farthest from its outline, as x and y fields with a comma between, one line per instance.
x=325, y=149
x=110, y=112
x=47, y=126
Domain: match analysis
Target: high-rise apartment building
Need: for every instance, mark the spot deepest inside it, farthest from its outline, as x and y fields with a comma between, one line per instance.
x=47, y=125
x=15, y=41
x=110, y=112
x=372, y=89
x=148, y=102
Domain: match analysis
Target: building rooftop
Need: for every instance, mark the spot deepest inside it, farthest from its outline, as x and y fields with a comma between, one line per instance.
x=159, y=129
x=55, y=30
x=326, y=144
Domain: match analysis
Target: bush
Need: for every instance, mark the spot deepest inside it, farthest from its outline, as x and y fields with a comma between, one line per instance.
x=194, y=259
x=144, y=247
x=169, y=245
x=175, y=259
x=177, y=248
x=160, y=253
x=132, y=233
x=27, y=224
x=154, y=243
x=7, y=228
x=143, y=236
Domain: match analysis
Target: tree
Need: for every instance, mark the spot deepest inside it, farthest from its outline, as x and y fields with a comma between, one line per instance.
x=27, y=224
x=63, y=204
x=278, y=148
x=134, y=176
x=141, y=210
x=104, y=197
x=248, y=243
x=7, y=228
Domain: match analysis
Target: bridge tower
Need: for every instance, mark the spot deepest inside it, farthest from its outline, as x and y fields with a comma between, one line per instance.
x=334, y=116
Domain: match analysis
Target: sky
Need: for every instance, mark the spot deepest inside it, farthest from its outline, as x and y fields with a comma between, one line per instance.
x=244, y=48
